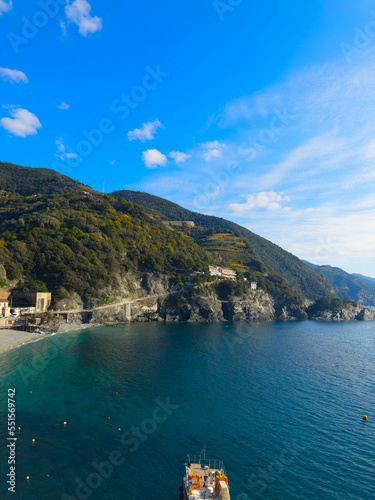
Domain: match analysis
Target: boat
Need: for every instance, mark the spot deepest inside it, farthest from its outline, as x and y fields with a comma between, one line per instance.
x=204, y=479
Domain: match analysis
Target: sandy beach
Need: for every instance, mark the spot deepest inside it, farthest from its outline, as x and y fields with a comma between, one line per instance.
x=14, y=338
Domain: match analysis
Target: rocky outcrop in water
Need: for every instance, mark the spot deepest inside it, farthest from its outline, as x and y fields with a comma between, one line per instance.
x=347, y=314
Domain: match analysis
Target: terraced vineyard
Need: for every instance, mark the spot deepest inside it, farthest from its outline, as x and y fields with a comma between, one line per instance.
x=233, y=251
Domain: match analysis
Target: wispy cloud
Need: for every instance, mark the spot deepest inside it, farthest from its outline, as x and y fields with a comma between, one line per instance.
x=153, y=158
x=179, y=157
x=79, y=13
x=212, y=150
x=63, y=27
x=5, y=6
x=146, y=132
x=268, y=200
x=64, y=106
x=112, y=162
x=22, y=123
x=13, y=75
x=62, y=153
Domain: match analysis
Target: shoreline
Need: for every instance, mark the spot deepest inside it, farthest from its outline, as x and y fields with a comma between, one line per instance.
x=13, y=339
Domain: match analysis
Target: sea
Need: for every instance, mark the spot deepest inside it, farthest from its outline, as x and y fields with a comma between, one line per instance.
x=112, y=413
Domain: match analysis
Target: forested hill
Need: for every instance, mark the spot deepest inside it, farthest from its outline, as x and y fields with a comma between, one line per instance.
x=86, y=244
x=28, y=181
x=290, y=267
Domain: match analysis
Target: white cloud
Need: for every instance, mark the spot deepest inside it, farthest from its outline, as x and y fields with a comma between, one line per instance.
x=153, y=158
x=5, y=6
x=22, y=123
x=212, y=150
x=13, y=75
x=178, y=156
x=79, y=12
x=146, y=132
x=63, y=105
x=269, y=200
x=112, y=162
x=61, y=149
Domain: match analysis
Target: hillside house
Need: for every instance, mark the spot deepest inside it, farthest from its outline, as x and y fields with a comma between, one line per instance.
x=4, y=307
x=222, y=272
x=253, y=286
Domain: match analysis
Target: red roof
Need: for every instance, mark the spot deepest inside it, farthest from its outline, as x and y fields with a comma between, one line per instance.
x=4, y=300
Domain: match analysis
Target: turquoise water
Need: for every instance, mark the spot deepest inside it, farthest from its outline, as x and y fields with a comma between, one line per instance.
x=281, y=404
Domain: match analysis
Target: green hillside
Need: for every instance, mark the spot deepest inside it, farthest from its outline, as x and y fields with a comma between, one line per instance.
x=86, y=244
x=28, y=181
x=266, y=256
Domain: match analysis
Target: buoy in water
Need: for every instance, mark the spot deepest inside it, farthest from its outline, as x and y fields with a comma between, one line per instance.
x=65, y=423
x=27, y=478
x=365, y=417
x=33, y=440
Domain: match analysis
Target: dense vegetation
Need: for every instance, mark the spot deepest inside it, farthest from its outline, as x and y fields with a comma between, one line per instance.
x=28, y=181
x=86, y=243
x=286, y=271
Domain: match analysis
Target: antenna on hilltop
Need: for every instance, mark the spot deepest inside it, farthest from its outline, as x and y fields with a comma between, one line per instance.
x=103, y=186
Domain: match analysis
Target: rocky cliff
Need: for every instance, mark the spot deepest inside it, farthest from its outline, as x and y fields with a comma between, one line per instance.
x=153, y=299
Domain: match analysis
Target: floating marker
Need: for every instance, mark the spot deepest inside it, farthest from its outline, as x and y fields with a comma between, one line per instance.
x=365, y=417
x=19, y=428
x=33, y=440
x=109, y=418
x=65, y=423
x=116, y=393
x=27, y=478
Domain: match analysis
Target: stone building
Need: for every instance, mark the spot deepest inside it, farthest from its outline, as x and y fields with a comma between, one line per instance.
x=40, y=300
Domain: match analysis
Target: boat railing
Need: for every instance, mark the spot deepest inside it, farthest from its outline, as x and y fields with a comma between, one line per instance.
x=212, y=464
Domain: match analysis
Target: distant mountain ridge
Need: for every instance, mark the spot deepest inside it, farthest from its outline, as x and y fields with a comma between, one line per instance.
x=365, y=278
x=348, y=286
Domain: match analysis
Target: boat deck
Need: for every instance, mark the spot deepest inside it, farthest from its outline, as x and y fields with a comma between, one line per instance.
x=207, y=480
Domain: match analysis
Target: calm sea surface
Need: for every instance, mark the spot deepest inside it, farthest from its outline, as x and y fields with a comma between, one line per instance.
x=280, y=403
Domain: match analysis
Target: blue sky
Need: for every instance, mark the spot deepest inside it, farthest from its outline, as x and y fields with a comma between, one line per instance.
x=262, y=114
